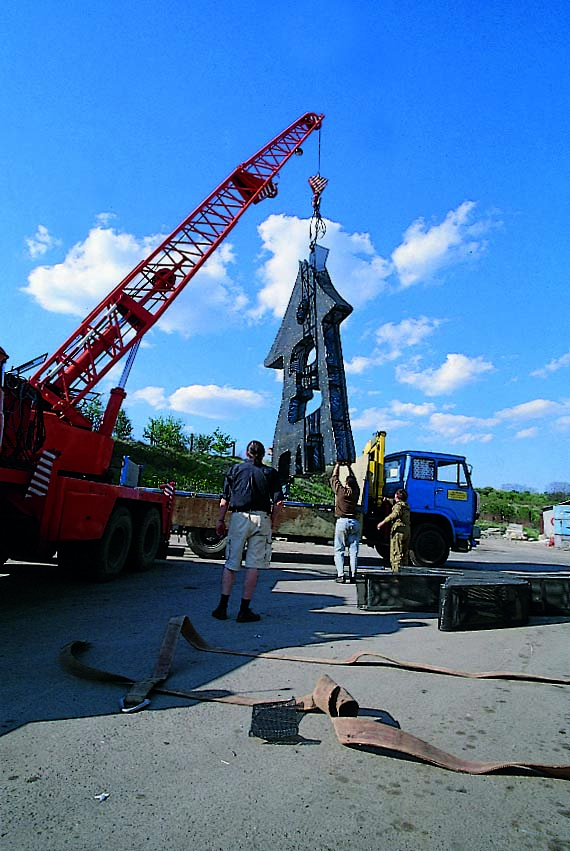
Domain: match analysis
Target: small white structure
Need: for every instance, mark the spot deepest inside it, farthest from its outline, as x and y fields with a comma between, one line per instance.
x=556, y=525
x=562, y=526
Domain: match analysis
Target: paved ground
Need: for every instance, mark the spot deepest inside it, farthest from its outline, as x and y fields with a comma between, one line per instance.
x=186, y=776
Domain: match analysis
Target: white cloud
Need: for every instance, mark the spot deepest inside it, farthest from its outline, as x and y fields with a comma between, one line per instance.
x=457, y=371
x=456, y=428
x=94, y=267
x=552, y=366
x=425, y=250
x=535, y=409
x=392, y=340
x=412, y=410
x=91, y=270
x=562, y=424
x=202, y=400
x=526, y=433
x=153, y=396
x=213, y=401
x=105, y=219
x=374, y=419
x=359, y=364
x=395, y=415
x=408, y=332
x=353, y=263
x=360, y=272
x=41, y=242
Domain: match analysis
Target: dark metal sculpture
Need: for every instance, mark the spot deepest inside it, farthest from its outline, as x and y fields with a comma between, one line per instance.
x=308, y=350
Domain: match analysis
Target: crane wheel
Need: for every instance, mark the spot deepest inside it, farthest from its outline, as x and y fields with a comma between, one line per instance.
x=108, y=556
x=145, y=541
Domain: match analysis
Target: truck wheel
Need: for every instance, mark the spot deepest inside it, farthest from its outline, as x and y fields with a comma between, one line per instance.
x=429, y=547
x=206, y=543
x=108, y=555
x=145, y=541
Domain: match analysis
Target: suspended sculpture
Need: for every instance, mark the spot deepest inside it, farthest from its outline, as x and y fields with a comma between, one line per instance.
x=308, y=435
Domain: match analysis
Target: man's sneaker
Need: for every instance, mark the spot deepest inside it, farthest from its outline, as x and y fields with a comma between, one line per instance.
x=340, y=579
x=247, y=616
x=220, y=614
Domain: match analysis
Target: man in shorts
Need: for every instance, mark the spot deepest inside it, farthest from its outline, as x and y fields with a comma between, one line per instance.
x=252, y=491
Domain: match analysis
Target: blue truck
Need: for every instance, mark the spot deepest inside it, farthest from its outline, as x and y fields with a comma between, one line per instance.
x=444, y=507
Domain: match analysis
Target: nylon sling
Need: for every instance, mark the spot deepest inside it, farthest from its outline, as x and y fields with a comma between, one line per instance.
x=327, y=697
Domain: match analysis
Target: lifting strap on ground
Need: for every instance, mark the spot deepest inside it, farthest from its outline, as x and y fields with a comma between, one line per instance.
x=327, y=697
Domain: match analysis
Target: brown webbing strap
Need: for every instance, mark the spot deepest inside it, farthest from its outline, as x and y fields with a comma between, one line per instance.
x=327, y=697
x=141, y=689
x=353, y=731
x=198, y=643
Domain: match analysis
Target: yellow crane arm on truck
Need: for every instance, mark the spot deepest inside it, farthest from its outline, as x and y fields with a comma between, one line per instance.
x=369, y=470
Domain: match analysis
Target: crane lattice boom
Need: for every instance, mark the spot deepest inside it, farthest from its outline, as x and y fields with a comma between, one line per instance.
x=127, y=313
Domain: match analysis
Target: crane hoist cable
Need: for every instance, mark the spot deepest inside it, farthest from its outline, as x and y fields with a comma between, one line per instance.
x=317, y=226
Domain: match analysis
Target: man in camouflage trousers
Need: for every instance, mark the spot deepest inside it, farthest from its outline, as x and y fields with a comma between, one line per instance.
x=399, y=517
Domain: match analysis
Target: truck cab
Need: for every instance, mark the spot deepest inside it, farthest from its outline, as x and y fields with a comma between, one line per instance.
x=443, y=505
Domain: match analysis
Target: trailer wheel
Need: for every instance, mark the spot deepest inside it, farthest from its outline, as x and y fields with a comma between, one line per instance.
x=206, y=543
x=108, y=555
x=145, y=541
x=429, y=547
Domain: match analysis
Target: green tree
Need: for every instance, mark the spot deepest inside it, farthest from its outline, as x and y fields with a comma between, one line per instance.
x=201, y=443
x=93, y=410
x=123, y=427
x=166, y=433
x=217, y=442
x=221, y=443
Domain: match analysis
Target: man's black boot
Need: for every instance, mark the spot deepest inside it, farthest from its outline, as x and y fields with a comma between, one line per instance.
x=221, y=612
x=245, y=615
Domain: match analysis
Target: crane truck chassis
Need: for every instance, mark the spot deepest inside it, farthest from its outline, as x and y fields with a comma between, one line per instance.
x=444, y=507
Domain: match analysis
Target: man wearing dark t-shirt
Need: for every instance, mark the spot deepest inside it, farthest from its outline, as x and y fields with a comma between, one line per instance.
x=252, y=491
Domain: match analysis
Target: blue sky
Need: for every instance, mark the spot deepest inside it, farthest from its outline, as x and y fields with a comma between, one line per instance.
x=445, y=142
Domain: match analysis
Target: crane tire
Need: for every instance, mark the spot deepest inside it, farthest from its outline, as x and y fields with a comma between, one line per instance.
x=145, y=542
x=429, y=546
x=109, y=554
x=206, y=543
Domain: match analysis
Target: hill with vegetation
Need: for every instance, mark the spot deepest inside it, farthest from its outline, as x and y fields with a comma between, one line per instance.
x=201, y=472
x=191, y=471
x=204, y=472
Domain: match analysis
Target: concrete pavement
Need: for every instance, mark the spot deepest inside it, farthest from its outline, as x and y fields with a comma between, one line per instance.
x=183, y=775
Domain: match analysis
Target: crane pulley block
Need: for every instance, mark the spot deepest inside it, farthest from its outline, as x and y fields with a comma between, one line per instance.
x=249, y=185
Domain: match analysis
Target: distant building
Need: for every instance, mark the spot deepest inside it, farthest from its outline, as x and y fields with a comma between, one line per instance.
x=555, y=525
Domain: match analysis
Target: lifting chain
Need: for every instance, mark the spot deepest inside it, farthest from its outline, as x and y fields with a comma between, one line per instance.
x=317, y=226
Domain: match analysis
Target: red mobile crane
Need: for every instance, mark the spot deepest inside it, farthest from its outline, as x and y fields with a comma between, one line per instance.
x=55, y=482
